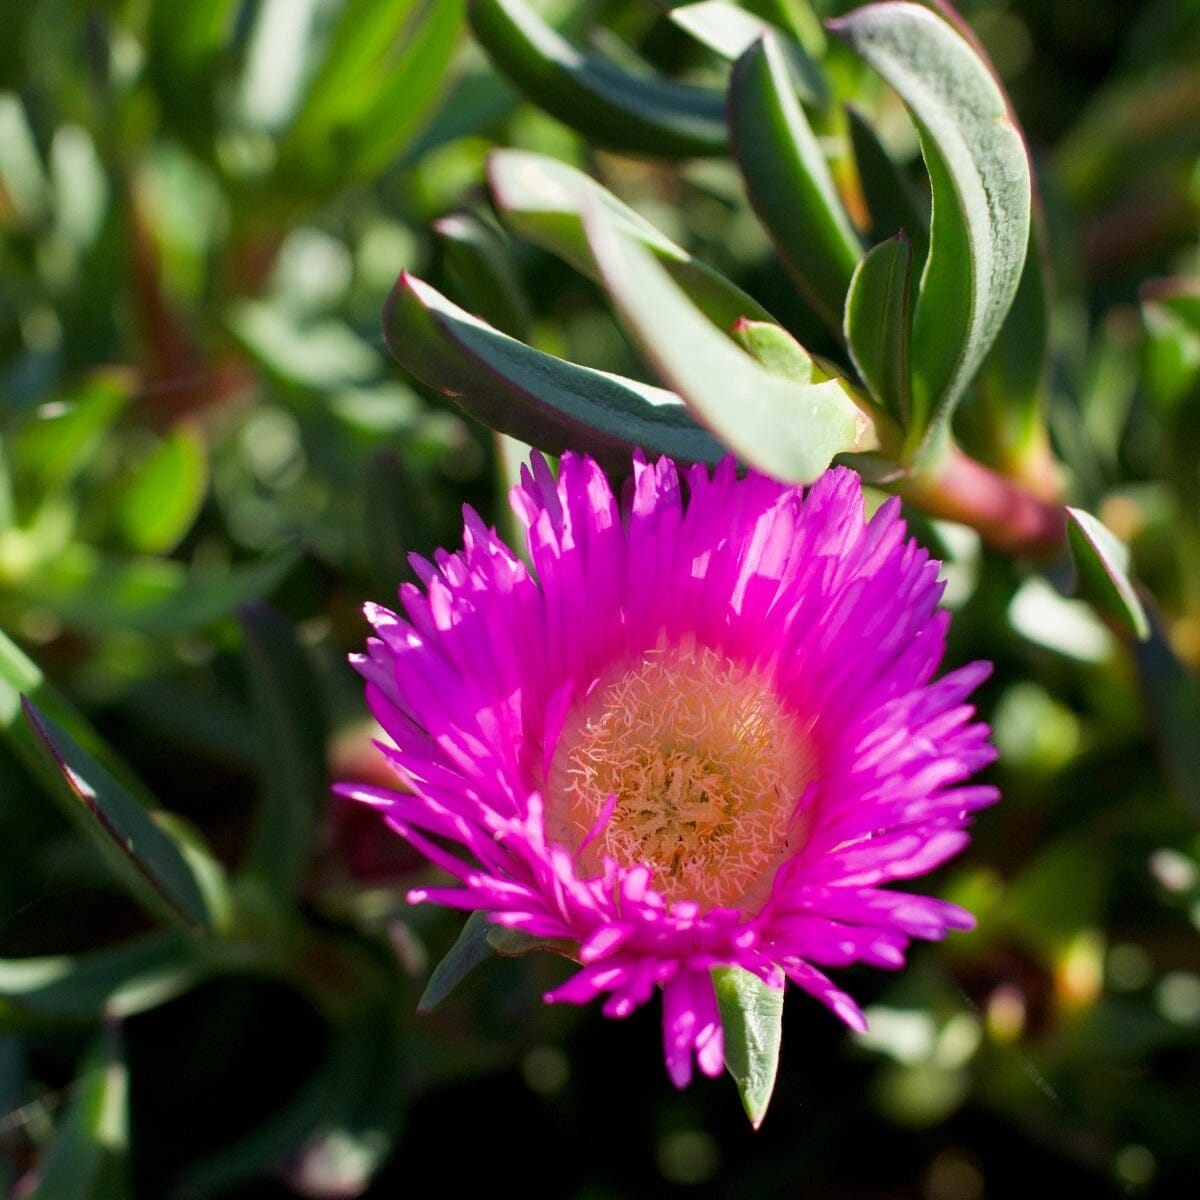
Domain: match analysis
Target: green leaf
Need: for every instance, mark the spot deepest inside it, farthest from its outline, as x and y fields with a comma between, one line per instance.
x=630, y=113
x=293, y=785
x=892, y=200
x=469, y=950
x=788, y=180
x=94, y=593
x=779, y=352
x=158, y=506
x=752, y=1017
x=406, y=102
x=542, y=199
x=120, y=980
x=534, y=397
x=476, y=262
x=145, y=858
x=1101, y=572
x=730, y=31
x=1172, y=698
x=877, y=323
x=788, y=430
x=979, y=174
x=87, y=1159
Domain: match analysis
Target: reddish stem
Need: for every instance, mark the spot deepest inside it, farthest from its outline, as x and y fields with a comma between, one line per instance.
x=1006, y=515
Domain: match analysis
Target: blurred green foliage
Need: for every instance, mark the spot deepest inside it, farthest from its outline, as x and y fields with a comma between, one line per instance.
x=207, y=462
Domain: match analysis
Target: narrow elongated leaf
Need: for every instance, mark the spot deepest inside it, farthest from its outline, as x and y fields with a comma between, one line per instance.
x=630, y=113
x=160, y=503
x=469, y=950
x=87, y=1159
x=1172, y=698
x=752, y=1018
x=1101, y=572
x=877, y=323
x=542, y=199
x=141, y=854
x=406, y=101
x=788, y=180
x=979, y=174
x=476, y=263
x=293, y=787
x=535, y=397
x=730, y=31
x=789, y=430
x=122, y=979
x=892, y=199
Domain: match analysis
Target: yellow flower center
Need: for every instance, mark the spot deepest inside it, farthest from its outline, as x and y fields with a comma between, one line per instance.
x=707, y=768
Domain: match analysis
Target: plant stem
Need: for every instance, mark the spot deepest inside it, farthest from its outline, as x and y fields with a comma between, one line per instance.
x=1007, y=515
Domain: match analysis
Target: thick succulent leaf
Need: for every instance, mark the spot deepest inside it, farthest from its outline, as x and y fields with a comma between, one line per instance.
x=542, y=199
x=877, y=323
x=119, y=980
x=469, y=950
x=630, y=113
x=1101, y=572
x=788, y=430
x=479, y=270
x=1172, y=699
x=980, y=179
x=141, y=852
x=87, y=1159
x=163, y=497
x=535, y=397
x=293, y=785
x=892, y=200
x=752, y=1018
x=779, y=352
x=788, y=180
x=730, y=31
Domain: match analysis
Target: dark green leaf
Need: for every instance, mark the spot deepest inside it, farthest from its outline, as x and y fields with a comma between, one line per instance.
x=1172, y=698
x=789, y=430
x=979, y=174
x=293, y=786
x=788, y=181
x=543, y=200
x=730, y=31
x=471, y=949
x=534, y=397
x=87, y=1159
x=479, y=269
x=752, y=1017
x=147, y=860
x=630, y=113
x=1101, y=572
x=120, y=980
x=892, y=200
x=877, y=323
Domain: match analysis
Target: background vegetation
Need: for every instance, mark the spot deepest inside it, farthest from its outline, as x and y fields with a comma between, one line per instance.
x=208, y=462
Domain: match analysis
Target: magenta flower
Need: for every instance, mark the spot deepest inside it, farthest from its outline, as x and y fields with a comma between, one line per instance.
x=700, y=733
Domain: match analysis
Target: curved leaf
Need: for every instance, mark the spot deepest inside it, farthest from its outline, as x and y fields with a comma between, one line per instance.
x=542, y=199
x=789, y=430
x=979, y=173
x=629, y=113
x=469, y=950
x=788, y=180
x=1101, y=571
x=141, y=853
x=535, y=397
x=877, y=323
x=752, y=1018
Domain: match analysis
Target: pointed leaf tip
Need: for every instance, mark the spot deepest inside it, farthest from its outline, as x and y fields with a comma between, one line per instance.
x=752, y=1017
